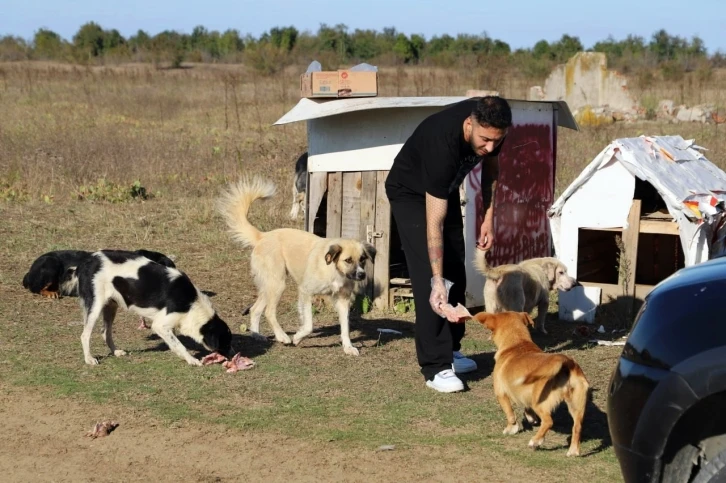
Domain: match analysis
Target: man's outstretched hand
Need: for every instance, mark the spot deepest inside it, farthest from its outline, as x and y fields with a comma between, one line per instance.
x=486, y=236
x=438, y=297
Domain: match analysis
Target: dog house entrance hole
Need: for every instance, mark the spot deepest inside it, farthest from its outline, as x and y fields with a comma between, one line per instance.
x=647, y=252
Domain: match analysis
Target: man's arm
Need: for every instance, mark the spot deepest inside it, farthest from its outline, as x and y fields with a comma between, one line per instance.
x=490, y=173
x=435, y=215
x=489, y=205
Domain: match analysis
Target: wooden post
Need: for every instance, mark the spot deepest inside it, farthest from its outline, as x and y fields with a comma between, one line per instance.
x=316, y=188
x=629, y=259
x=381, y=271
x=368, y=219
x=335, y=205
x=350, y=224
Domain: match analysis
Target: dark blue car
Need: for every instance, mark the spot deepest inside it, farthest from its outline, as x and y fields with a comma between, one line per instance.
x=666, y=402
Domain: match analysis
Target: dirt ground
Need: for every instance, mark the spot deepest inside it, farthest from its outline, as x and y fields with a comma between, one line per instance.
x=44, y=440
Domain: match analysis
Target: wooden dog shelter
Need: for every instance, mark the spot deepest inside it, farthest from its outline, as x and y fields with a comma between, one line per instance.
x=351, y=147
x=664, y=199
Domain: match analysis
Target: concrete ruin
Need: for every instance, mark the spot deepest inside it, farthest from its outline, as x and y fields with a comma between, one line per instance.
x=585, y=81
x=598, y=96
x=703, y=113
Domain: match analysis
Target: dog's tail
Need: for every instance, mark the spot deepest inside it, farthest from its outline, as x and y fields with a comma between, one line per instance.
x=234, y=204
x=579, y=386
x=480, y=263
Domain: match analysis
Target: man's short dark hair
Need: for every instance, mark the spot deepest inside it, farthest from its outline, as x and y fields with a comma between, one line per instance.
x=493, y=111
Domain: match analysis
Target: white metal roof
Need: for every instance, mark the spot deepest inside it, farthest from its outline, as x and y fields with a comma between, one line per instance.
x=675, y=167
x=316, y=108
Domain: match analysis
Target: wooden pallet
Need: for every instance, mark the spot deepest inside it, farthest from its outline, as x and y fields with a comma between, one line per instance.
x=399, y=287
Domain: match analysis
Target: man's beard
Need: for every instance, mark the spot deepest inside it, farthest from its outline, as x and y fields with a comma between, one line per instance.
x=476, y=151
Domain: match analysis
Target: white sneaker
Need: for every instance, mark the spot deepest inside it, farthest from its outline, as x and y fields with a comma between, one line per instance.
x=446, y=381
x=462, y=364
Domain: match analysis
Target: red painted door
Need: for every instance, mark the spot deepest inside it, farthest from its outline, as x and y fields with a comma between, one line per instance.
x=525, y=191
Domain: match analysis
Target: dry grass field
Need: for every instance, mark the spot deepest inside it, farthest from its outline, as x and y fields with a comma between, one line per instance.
x=78, y=144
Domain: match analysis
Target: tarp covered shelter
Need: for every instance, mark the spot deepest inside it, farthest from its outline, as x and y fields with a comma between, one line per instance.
x=692, y=189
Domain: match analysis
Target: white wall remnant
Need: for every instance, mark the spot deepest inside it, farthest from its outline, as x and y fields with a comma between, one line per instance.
x=585, y=81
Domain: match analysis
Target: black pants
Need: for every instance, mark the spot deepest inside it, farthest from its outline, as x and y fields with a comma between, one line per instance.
x=435, y=337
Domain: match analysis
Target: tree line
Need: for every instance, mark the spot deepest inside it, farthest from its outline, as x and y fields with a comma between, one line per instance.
x=336, y=46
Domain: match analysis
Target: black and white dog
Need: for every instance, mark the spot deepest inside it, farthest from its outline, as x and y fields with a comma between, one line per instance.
x=53, y=274
x=109, y=279
x=299, y=185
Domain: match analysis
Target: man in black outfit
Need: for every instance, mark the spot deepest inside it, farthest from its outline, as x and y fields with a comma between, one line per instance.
x=423, y=189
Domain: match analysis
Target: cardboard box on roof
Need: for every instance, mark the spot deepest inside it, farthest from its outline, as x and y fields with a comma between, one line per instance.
x=359, y=81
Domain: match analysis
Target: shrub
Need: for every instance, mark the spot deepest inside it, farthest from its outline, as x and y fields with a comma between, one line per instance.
x=105, y=190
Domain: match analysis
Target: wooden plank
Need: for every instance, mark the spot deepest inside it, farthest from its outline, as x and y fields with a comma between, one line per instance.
x=615, y=291
x=306, y=203
x=655, y=227
x=335, y=202
x=601, y=229
x=659, y=227
x=381, y=271
x=363, y=159
x=400, y=281
x=368, y=219
x=367, y=203
x=629, y=258
x=350, y=224
x=316, y=188
x=657, y=215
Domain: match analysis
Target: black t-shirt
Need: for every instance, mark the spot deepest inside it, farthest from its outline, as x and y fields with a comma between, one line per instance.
x=435, y=159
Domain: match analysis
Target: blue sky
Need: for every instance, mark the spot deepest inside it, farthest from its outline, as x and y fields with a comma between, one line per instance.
x=520, y=23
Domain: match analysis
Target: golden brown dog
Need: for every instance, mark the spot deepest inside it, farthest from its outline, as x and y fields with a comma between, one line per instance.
x=523, y=286
x=533, y=379
x=319, y=266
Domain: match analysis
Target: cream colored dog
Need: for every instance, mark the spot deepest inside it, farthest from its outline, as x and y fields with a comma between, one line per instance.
x=319, y=266
x=523, y=286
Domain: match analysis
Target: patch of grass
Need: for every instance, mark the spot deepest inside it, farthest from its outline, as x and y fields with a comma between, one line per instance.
x=404, y=305
x=12, y=190
x=650, y=104
x=478, y=345
x=362, y=305
x=105, y=190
